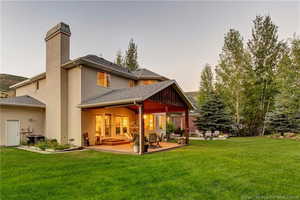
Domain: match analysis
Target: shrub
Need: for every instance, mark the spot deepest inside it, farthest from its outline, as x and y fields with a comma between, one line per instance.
x=51, y=144
x=62, y=146
x=170, y=128
x=43, y=145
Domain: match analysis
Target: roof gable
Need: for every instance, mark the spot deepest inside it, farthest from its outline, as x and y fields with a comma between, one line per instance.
x=143, y=74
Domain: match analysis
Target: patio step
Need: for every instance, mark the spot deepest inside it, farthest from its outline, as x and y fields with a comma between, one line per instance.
x=114, y=141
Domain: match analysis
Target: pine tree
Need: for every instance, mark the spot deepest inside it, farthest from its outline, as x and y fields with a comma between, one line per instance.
x=279, y=121
x=119, y=58
x=131, y=56
x=213, y=116
x=206, y=84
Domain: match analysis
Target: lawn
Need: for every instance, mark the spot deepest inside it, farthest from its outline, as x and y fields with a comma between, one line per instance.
x=238, y=168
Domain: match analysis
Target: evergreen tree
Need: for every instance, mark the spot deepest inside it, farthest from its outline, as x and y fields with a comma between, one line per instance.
x=213, y=116
x=119, y=58
x=206, y=84
x=279, y=121
x=131, y=56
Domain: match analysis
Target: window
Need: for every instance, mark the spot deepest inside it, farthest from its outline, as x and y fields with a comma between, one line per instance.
x=103, y=79
x=131, y=83
x=99, y=124
x=37, y=85
x=122, y=125
x=148, y=82
x=161, y=122
x=149, y=122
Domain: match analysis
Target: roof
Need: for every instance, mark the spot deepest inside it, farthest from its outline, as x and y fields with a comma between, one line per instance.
x=30, y=80
x=130, y=95
x=96, y=62
x=192, y=96
x=103, y=64
x=22, y=101
x=7, y=80
x=147, y=74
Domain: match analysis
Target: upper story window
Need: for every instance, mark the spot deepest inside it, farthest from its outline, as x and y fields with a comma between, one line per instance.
x=103, y=79
x=148, y=82
x=131, y=83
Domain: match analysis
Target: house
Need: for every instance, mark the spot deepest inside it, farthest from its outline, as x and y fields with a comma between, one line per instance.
x=88, y=96
x=7, y=80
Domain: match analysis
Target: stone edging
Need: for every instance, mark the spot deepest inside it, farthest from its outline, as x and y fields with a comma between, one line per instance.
x=36, y=150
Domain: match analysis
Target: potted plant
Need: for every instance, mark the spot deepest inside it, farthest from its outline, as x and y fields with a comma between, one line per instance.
x=169, y=129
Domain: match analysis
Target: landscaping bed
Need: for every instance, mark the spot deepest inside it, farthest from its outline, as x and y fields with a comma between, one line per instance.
x=49, y=146
x=292, y=136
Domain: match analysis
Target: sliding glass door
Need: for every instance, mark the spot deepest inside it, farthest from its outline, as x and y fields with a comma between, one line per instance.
x=122, y=125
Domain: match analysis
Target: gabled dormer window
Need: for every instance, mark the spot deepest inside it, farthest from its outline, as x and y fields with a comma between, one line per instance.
x=103, y=79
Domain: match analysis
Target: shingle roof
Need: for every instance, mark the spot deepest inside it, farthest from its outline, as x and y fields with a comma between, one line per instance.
x=138, y=93
x=103, y=64
x=147, y=74
x=22, y=101
x=109, y=65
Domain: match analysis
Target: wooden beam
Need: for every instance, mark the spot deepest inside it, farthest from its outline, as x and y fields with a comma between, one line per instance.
x=186, y=128
x=141, y=129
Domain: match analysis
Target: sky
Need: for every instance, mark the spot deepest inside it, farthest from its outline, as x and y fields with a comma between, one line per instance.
x=175, y=39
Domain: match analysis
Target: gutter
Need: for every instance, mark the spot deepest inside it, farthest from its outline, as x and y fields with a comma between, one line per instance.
x=24, y=105
x=126, y=101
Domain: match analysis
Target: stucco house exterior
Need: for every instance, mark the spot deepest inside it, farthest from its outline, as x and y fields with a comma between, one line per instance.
x=88, y=95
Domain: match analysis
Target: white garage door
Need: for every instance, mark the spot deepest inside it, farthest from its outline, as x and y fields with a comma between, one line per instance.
x=12, y=132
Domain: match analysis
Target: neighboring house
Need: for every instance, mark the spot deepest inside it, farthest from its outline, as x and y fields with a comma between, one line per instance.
x=7, y=80
x=88, y=95
x=178, y=119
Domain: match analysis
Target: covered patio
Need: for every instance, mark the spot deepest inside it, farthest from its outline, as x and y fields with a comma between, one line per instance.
x=132, y=106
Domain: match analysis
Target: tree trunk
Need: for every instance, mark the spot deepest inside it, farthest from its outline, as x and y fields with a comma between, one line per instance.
x=264, y=125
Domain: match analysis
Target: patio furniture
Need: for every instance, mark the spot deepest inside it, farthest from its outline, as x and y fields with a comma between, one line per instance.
x=181, y=140
x=153, y=139
x=34, y=139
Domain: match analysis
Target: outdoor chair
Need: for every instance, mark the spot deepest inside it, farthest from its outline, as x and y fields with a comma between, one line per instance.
x=153, y=139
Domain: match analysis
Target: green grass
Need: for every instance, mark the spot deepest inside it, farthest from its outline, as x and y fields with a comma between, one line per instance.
x=238, y=168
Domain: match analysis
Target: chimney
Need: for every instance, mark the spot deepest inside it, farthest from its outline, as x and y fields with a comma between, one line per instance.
x=57, y=53
x=57, y=46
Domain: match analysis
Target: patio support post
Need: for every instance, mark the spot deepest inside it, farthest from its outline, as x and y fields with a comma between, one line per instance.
x=141, y=129
x=186, y=124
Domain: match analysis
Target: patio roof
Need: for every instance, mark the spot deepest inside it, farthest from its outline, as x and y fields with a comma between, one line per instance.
x=133, y=95
x=22, y=101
